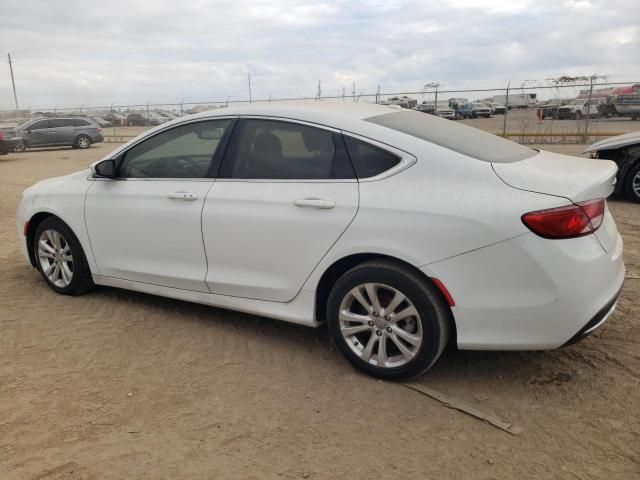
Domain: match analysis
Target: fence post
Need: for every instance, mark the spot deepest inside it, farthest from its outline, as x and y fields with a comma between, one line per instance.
x=113, y=123
x=148, y=122
x=506, y=112
x=436, y=100
x=588, y=111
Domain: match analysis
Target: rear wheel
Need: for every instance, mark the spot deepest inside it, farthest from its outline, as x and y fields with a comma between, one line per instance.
x=577, y=115
x=83, y=141
x=20, y=147
x=387, y=320
x=632, y=183
x=60, y=258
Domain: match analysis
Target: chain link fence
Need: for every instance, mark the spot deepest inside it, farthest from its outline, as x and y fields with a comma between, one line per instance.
x=565, y=110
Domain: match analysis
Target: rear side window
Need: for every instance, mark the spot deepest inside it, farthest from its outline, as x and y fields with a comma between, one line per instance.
x=60, y=122
x=271, y=149
x=460, y=138
x=368, y=160
x=79, y=122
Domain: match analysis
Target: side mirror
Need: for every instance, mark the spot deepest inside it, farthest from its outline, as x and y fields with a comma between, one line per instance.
x=104, y=169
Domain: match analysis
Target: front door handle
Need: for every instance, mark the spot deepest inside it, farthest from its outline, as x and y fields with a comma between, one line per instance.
x=188, y=196
x=314, y=203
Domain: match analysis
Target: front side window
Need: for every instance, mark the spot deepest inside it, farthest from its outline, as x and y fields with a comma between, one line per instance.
x=270, y=149
x=39, y=125
x=186, y=151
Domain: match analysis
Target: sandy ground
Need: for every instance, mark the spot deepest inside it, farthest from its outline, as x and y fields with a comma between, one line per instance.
x=116, y=384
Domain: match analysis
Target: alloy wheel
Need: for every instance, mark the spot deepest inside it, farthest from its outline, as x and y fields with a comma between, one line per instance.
x=380, y=325
x=56, y=260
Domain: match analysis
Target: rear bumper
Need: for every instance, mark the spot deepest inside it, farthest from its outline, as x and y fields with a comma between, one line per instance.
x=528, y=293
x=97, y=138
x=596, y=321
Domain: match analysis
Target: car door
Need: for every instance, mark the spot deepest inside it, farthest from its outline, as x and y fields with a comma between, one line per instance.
x=61, y=131
x=36, y=134
x=145, y=225
x=285, y=194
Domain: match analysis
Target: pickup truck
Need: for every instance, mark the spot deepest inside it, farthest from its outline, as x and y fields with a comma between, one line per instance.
x=473, y=110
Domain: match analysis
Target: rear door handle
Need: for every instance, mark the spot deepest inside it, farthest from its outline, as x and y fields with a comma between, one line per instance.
x=188, y=196
x=314, y=203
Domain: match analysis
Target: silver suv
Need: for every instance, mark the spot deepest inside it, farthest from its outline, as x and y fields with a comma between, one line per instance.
x=54, y=132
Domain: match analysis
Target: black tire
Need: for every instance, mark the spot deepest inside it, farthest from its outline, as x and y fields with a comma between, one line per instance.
x=20, y=147
x=82, y=141
x=81, y=281
x=577, y=115
x=632, y=176
x=434, y=316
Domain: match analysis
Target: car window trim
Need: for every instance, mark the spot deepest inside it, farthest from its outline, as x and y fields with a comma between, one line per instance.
x=335, y=131
x=406, y=159
x=120, y=156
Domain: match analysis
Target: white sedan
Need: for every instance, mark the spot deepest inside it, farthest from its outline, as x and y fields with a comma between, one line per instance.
x=402, y=231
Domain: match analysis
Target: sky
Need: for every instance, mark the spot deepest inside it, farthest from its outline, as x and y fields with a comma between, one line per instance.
x=77, y=52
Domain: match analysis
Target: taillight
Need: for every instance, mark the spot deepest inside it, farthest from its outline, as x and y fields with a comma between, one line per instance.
x=566, y=222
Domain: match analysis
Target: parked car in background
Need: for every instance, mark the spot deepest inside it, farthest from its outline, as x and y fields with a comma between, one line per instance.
x=473, y=110
x=101, y=122
x=4, y=145
x=137, y=120
x=625, y=151
x=496, y=108
x=75, y=132
x=156, y=118
x=503, y=252
x=402, y=101
x=622, y=102
x=577, y=109
x=426, y=107
x=116, y=118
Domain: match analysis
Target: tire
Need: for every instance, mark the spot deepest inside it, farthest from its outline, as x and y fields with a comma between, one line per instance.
x=53, y=244
x=21, y=147
x=427, y=330
x=82, y=141
x=632, y=183
x=577, y=115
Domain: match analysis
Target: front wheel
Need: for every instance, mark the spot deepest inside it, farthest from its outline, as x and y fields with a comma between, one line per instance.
x=632, y=183
x=20, y=147
x=388, y=320
x=577, y=115
x=60, y=258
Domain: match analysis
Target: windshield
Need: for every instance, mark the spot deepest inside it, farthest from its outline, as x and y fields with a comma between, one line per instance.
x=460, y=138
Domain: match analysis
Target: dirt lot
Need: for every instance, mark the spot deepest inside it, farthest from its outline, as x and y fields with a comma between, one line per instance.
x=116, y=384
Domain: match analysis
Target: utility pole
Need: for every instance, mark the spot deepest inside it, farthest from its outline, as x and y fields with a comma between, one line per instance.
x=353, y=92
x=378, y=95
x=319, y=94
x=13, y=82
x=343, y=94
x=249, y=79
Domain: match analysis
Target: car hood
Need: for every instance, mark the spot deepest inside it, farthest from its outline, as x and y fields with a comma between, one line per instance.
x=55, y=184
x=615, y=142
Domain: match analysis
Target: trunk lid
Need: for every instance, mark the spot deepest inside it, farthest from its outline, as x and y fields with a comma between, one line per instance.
x=577, y=179
x=574, y=178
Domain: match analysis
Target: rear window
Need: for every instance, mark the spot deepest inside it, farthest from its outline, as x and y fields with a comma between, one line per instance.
x=460, y=138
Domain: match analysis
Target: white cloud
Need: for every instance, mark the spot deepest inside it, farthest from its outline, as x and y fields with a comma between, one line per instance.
x=73, y=53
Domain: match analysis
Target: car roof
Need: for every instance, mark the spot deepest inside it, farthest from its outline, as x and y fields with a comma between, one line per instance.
x=341, y=115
